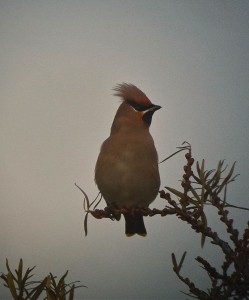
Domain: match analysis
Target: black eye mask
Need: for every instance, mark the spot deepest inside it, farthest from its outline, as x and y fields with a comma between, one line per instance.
x=139, y=107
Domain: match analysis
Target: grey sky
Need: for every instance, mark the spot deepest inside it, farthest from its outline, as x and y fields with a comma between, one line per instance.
x=59, y=61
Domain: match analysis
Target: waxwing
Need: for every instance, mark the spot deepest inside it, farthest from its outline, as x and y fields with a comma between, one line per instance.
x=126, y=171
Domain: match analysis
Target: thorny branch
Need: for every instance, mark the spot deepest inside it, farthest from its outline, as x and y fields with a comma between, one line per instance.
x=201, y=188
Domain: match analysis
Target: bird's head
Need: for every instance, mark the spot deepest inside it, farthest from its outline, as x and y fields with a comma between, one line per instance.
x=136, y=109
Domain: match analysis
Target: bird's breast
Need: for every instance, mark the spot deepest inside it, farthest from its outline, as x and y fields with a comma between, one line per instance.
x=127, y=172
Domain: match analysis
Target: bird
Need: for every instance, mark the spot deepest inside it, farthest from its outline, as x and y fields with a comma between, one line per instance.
x=126, y=171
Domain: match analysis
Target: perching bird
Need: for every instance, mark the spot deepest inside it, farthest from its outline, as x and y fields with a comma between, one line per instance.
x=126, y=171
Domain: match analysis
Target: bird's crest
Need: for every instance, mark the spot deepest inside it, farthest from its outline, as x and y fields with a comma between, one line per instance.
x=129, y=92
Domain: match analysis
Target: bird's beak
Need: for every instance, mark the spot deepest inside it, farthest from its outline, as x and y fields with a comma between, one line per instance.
x=152, y=109
x=155, y=107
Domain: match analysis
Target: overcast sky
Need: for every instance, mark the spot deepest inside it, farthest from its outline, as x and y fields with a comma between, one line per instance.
x=59, y=61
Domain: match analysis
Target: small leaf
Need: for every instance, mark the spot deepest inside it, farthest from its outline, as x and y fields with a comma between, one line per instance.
x=216, y=178
x=204, y=222
x=61, y=282
x=225, y=195
x=196, y=178
x=195, y=194
x=175, y=192
x=4, y=277
x=202, y=194
x=208, y=174
x=7, y=266
x=234, y=206
x=180, y=194
x=198, y=167
x=52, y=281
x=201, y=171
x=85, y=224
x=184, y=148
x=20, y=268
x=98, y=201
x=35, y=292
x=175, y=267
x=62, y=291
x=225, y=181
x=86, y=200
x=27, y=276
x=71, y=293
x=181, y=262
x=19, y=275
x=51, y=294
x=11, y=285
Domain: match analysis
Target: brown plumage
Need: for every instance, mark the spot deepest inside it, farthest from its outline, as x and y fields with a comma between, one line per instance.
x=126, y=171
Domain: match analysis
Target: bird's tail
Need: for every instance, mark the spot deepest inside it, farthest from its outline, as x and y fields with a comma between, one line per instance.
x=134, y=224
